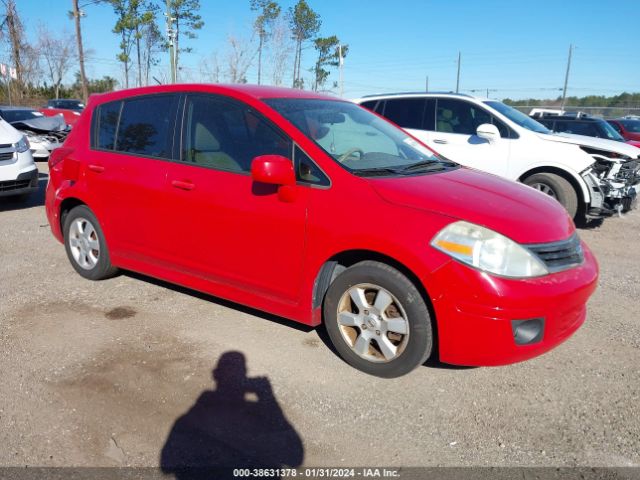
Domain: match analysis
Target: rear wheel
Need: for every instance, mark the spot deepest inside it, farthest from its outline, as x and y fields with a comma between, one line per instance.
x=377, y=320
x=556, y=187
x=85, y=244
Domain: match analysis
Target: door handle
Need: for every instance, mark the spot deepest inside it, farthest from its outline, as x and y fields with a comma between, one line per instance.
x=182, y=185
x=440, y=141
x=96, y=168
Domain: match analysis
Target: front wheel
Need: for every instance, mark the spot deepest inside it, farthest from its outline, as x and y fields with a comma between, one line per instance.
x=556, y=187
x=378, y=320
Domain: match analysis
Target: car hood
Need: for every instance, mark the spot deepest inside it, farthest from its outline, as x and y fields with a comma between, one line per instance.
x=621, y=148
x=42, y=124
x=635, y=143
x=8, y=134
x=512, y=209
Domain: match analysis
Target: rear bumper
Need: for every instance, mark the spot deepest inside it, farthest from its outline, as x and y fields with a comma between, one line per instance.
x=24, y=183
x=475, y=311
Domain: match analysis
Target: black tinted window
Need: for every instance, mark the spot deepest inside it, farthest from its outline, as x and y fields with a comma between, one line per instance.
x=145, y=126
x=307, y=171
x=578, y=128
x=616, y=126
x=371, y=105
x=106, y=125
x=228, y=135
x=405, y=112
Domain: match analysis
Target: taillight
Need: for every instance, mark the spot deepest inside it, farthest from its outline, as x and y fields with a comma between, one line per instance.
x=58, y=155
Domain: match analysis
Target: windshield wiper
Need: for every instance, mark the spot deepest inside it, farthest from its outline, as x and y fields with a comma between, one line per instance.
x=377, y=171
x=425, y=165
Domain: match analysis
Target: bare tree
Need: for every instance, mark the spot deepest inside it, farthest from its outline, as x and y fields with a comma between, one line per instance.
x=281, y=48
x=210, y=70
x=12, y=27
x=240, y=55
x=57, y=55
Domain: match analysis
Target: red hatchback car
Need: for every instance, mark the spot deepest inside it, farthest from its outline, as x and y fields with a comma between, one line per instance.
x=317, y=210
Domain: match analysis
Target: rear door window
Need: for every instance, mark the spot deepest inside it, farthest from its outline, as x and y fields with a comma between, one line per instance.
x=146, y=126
x=406, y=112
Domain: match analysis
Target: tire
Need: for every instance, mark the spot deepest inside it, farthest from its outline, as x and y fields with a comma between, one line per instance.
x=371, y=338
x=557, y=187
x=85, y=244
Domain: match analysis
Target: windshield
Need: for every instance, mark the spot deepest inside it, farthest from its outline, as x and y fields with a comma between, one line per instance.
x=518, y=117
x=609, y=132
x=632, y=126
x=360, y=141
x=19, y=115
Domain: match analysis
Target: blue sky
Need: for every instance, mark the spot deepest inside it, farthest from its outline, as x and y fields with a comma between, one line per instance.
x=515, y=48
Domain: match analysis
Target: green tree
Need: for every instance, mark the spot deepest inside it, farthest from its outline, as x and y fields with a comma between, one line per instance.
x=268, y=12
x=328, y=49
x=304, y=24
x=125, y=27
x=184, y=14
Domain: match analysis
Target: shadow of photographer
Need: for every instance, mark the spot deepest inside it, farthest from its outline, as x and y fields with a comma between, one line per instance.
x=238, y=425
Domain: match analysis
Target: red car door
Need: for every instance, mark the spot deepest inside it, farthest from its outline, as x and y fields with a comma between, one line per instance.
x=221, y=225
x=127, y=172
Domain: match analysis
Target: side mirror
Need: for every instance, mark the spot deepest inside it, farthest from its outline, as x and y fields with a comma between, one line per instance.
x=273, y=169
x=488, y=132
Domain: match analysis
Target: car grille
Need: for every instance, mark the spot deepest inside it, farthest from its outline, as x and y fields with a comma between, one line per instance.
x=6, y=156
x=559, y=256
x=14, y=185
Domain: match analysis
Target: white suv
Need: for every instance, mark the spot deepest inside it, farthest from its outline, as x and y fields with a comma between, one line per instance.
x=591, y=177
x=18, y=172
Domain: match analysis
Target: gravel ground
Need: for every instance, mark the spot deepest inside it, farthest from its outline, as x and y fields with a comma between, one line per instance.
x=119, y=372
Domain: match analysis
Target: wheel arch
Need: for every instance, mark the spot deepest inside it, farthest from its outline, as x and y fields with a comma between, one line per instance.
x=332, y=267
x=576, y=182
x=66, y=206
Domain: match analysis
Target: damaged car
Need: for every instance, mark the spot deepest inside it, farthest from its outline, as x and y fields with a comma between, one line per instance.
x=44, y=133
x=592, y=178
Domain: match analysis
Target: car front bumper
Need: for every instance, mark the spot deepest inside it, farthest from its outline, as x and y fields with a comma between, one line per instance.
x=25, y=182
x=477, y=313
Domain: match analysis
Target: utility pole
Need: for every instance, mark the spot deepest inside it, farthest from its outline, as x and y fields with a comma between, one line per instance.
x=458, y=78
x=83, y=76
x=171, y=37
x=341, y=64
x=426, y=87
x=566, y=78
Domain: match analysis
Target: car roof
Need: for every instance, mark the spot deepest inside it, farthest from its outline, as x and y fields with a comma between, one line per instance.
x=259, y=92
x=570, y=118
x=383, y=96
x=13, y=107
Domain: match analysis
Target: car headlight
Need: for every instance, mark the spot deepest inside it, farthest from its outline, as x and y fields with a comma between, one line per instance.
x=23, y=145
x=488, y=251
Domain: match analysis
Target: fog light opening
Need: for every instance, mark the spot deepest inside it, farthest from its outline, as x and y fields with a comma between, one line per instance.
x=526, y=332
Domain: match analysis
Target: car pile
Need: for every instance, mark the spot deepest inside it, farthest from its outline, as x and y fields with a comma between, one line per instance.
x=591, y=177
x=44, y=133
